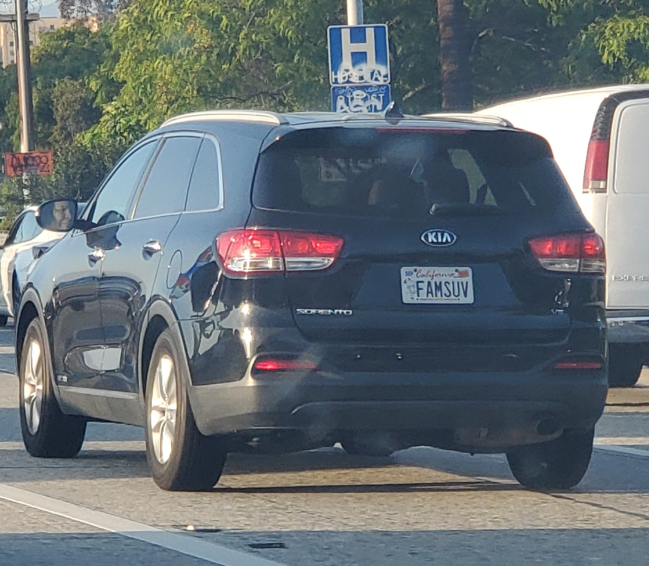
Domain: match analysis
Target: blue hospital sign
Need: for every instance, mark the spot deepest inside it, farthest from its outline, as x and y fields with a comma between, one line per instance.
x=359, y=55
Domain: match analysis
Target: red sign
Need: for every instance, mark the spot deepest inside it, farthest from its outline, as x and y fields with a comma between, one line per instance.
x=39, y=162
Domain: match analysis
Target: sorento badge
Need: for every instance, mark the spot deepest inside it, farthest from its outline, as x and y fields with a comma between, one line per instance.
x=438, y=238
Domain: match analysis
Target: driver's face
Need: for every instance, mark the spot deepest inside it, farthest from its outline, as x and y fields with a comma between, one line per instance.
x=62, y=215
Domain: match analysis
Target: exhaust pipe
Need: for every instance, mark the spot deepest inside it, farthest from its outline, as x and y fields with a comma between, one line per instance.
x=547, y=427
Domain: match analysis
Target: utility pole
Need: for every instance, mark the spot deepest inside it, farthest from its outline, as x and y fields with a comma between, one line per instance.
x=21, y=20
x=354, y=12
x=24, y=77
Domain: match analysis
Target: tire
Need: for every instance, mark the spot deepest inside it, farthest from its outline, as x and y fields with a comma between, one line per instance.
x=3, y=320
x=46, y=431
x=180, y=457
x=625, y=363
x=558, y=464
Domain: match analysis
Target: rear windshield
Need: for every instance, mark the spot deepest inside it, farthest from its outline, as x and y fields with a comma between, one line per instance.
x=406, y=174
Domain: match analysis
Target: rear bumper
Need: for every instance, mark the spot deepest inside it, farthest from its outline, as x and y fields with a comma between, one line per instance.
x=631, y=327
x=473, y=412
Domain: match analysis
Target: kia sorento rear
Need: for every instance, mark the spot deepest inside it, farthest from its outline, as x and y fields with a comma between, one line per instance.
x=255, y=281
x=443, y=287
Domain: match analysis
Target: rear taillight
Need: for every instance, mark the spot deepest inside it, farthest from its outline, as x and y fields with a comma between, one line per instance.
x=596, y=169
x=308, y=252
x=570, y=253
x=268, y=364
x=272, y=251
x=580, y=363
x=250, y=251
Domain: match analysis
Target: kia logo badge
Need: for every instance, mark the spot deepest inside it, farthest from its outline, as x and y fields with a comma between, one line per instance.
x=438, y=238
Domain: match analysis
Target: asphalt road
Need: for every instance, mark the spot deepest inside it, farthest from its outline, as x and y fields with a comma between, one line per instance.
x=421, y=506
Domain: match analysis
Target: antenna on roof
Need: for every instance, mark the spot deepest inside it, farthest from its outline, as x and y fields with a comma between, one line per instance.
x=392, y=112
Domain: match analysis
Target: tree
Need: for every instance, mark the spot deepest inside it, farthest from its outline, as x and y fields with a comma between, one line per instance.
x=81, y=10
x=74, y=111
x=454, y=51
x=64, y=108
x=96, y=93
x=607, y=42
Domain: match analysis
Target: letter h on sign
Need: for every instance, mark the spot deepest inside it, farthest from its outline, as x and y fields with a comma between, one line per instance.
x=352, y=52
x=359, y=55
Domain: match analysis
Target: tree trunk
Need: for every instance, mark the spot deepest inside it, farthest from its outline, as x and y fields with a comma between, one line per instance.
x=452, y=19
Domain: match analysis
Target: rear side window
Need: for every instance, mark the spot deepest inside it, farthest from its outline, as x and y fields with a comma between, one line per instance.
x=205, y=185
x=29, y=227
x=113, y=200
x=406, y=174
x=165, y=188
x=24, y=230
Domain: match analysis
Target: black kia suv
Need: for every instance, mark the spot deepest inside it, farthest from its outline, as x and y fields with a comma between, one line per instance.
x=278, y=282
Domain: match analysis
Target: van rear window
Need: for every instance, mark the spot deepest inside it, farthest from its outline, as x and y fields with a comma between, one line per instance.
x=406, y=174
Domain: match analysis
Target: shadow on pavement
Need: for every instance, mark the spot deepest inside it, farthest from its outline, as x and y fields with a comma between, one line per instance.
x=497, y=547
x=427, y=487
x=85, y=549
x=501, y=547
x=9, y=425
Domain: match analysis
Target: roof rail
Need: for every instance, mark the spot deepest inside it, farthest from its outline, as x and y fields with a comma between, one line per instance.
x=224, y=115
x=468, y=117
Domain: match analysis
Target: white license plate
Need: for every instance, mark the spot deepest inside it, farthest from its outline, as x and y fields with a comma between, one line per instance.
x=437, y=285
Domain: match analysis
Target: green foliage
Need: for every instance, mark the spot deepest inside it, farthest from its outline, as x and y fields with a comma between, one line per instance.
x=95, y=93
x=63, y=66
x=73, y=109
x=72, y=51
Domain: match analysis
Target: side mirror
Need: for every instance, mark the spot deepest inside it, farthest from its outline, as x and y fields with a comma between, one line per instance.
x=57, y=215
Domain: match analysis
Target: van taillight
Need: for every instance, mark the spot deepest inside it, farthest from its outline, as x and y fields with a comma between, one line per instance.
x=570, y=253
x=596, y=166
x=276, y=251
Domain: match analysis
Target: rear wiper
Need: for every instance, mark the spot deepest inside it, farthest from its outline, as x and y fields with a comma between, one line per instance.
x=464, y=209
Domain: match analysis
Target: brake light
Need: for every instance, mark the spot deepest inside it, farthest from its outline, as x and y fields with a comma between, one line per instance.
x=272, y=251
x=570, y=253
x=596, y=169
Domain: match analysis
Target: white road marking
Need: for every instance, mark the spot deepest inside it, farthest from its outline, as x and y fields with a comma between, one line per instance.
x=623, y=440
x=88, y=445
x=210, y=552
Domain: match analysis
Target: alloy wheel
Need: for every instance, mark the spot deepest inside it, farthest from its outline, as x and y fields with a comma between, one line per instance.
x=33, y=386
x=164, y=403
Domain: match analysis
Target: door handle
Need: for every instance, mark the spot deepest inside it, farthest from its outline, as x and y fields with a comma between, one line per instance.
x=95, y=255
x=151, y=247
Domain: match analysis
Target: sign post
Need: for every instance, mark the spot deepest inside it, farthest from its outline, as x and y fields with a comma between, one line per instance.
x=24, y=77
x=354, y=12
x=359, y=68
x=21, y=21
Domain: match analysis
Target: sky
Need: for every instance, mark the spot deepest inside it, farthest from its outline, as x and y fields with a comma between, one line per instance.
x=50, y=9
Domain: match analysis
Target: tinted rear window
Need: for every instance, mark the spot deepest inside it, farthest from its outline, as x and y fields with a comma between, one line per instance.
x=370, y=172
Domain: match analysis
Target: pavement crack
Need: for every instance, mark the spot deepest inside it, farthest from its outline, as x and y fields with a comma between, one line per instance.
x=601, y=506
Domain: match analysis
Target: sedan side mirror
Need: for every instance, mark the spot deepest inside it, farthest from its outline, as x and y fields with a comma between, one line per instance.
x=57, y=215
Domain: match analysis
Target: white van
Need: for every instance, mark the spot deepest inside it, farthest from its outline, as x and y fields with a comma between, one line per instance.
x=600, y=139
